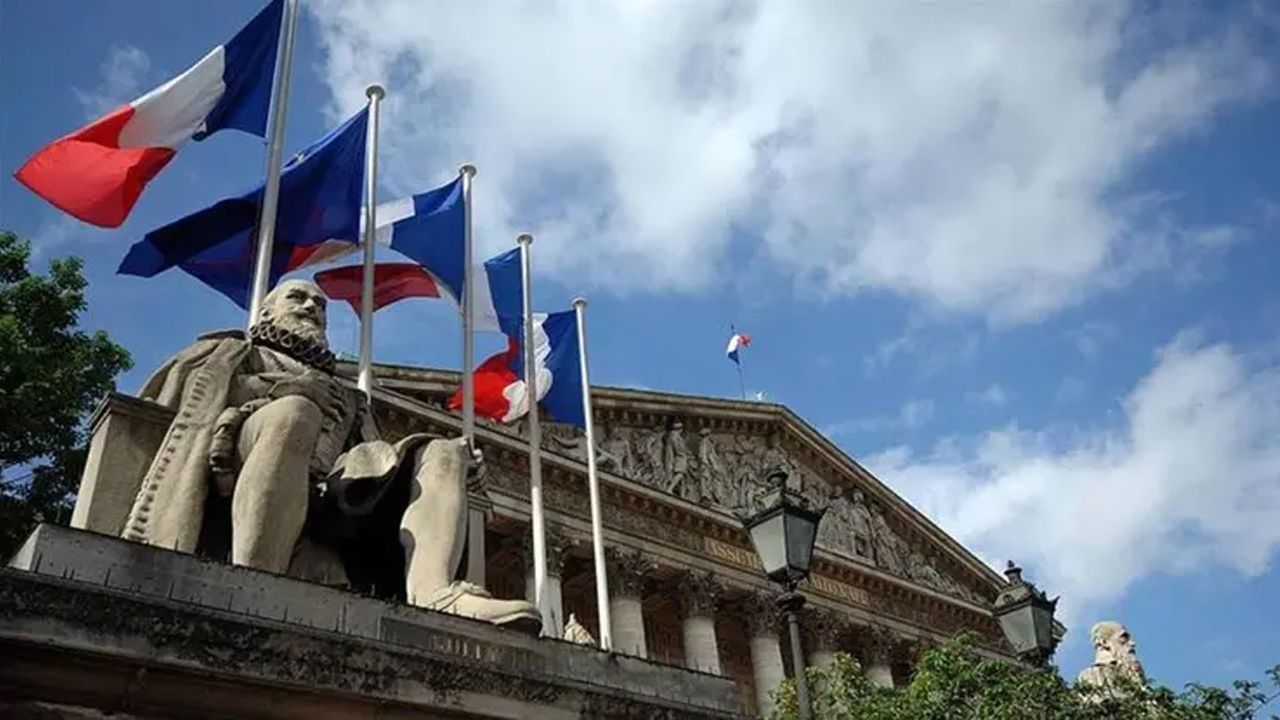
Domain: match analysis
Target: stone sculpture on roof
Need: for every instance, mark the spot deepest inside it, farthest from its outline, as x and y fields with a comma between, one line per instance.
x=298, y=474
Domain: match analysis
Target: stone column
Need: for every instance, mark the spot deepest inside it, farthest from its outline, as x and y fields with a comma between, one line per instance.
x=479, y=510
x=877, y=655
x=698, y=593
x=627, y=570
x=558, y=547
x=823, y=632
x=766, y=652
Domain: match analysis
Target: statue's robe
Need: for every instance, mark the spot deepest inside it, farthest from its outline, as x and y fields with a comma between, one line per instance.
x=199, y=383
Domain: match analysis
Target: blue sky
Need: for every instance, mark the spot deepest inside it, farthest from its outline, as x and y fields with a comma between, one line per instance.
x=1019, y=259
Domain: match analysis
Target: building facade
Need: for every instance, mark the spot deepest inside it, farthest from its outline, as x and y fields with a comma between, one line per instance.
x=686, y=586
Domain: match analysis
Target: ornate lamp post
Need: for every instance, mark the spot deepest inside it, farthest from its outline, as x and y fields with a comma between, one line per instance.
x=783, y=531
x=1026, y=617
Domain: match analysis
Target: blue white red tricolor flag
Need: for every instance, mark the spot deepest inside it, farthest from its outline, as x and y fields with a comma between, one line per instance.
x=97, y=172
x=501, y=393
x=737, y=341
x=392, y=282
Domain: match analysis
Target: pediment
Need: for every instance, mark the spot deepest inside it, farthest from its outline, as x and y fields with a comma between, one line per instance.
x=716, y=453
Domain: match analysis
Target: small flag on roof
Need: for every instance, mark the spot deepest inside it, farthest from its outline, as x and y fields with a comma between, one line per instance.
x=737, y=341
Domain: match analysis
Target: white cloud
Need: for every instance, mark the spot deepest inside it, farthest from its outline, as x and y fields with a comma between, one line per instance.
x=973, y=155
x=1190, y=480
x=993, y=396
x=913, y=415
x=121, y=76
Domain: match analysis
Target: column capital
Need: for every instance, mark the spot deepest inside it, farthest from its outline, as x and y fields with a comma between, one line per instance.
x=627, y=571
x=761, y=612
x=698, y=593
x=878, y=642
x=823, y=629
x=558, y=546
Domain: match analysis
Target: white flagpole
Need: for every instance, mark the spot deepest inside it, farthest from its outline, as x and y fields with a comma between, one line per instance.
x=468, y=173
x=593, y=483
x=537, y=519
x=275, y=150
x=375, y=93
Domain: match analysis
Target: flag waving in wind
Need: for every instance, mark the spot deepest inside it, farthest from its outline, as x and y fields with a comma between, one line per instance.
x=97, y=172
x=320, y=192
x=737, y=341
x=501, y=393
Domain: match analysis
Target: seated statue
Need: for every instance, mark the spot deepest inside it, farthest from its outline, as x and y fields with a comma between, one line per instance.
x=1115, y=662
x=273, y=462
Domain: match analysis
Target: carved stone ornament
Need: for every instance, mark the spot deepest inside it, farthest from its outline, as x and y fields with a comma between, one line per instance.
x=558, y=547
x=627, y=571
x=823, y=629
x=761, y=613
x=698, y=593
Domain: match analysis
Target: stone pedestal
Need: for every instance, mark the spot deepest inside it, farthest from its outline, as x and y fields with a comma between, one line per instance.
x=766, y=652
x=698, y=594
x=100, y=626
x=124, y=434
x=627, y=571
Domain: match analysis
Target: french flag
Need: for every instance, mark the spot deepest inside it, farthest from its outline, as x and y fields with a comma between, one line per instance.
x=501, y=393
x=737, y=341
x=392, y=282
x=97, y=172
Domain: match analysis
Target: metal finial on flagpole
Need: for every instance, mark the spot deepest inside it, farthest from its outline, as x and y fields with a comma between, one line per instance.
x=468, y=172
x=364, y=380
x=536, y=516
x=593, y=483
x=275, y=150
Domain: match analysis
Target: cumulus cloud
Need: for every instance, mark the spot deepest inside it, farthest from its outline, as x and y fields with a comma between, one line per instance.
x=121, y=76
x=975, y=156
x=1190, y=479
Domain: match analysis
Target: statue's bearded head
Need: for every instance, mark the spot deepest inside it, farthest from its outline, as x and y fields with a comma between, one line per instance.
x=297, y=306
x=1113, y=645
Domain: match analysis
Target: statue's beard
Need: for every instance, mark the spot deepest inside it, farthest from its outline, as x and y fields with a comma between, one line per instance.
x=303, y=327
x=1128, y=660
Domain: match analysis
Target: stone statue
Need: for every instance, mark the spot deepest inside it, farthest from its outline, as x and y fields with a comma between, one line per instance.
x=675, y=462
x=887, y=548
x=836, y=530
x=1115, y=660
x=576, y=632
x=614, y=452
x=860, y=519
x=716, y=488
x=922, y=571
x=299, y=475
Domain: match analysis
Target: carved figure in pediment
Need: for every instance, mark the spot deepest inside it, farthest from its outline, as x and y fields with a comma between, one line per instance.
x=774, y=458
x=715, y=485
x=888, y=550
x=836, y=530
x=922, y=571
x=675, y=463
x=860, y=518
x=647, y=451
x=614, y=453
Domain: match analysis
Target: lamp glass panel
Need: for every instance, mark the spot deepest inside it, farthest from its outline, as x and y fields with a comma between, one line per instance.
x=1019, y=629
x=1043, y=616
x=771, y=543
x=801, y=532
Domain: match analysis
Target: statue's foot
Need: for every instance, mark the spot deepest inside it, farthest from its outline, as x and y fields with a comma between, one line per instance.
x=470, y=600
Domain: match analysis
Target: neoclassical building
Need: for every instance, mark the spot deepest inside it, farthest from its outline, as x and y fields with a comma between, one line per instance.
x=685, y=585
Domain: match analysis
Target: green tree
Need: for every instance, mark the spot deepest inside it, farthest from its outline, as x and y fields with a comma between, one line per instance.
x=51, y=376
x=953, y=682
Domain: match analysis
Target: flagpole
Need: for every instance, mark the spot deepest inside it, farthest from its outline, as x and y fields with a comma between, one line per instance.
x=468, y=173
x=375, y=93
x=593, y=483
x=536, y=516
x=275, y=150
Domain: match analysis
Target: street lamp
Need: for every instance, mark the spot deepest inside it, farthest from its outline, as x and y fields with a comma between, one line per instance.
x=1026, y=617
x=783, y=531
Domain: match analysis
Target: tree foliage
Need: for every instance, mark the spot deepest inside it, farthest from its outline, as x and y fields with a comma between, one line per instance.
x=953, y=682
x=51, y=376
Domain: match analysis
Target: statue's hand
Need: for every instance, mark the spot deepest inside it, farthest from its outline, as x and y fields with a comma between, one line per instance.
x=317, y=387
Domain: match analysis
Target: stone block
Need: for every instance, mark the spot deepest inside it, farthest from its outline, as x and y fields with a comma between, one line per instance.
x=124, y=434
x=79, y=612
